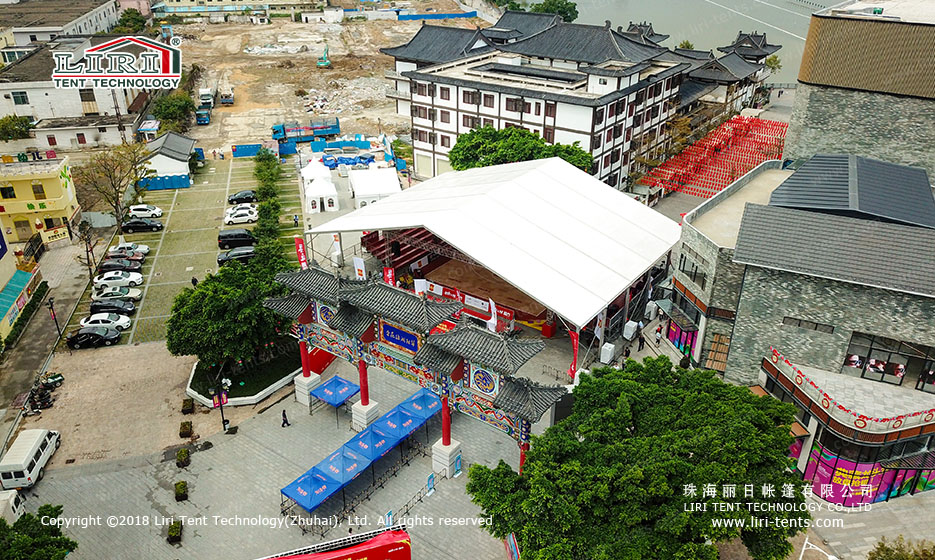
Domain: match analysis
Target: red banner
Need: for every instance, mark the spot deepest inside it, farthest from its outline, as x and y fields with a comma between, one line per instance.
x=574, y=360
x=300, y=252
x=389, y=275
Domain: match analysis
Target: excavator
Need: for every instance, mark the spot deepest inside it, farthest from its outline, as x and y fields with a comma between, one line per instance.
x=323, y=61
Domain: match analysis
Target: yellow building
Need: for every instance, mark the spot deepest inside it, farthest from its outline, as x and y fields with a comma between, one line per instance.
x=37, y=196
x=18, y=281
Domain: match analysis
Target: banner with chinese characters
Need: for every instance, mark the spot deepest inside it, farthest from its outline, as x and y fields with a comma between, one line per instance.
x=300, y=252
x=399, y=337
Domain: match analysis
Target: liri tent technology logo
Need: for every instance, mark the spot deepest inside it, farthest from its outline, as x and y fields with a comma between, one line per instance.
x=124, y=62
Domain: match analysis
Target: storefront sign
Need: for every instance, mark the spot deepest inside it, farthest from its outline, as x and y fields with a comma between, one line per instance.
x=399, y=337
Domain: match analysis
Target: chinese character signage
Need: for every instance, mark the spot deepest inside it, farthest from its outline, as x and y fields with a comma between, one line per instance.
x=399, y=338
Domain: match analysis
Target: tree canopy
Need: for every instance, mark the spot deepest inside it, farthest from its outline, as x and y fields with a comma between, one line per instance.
x=565, y=8
x=773, y=64
x=131, y=21
x=488, y=146
x=176, y=107
x=31, y=539
x=107, y=175
x=13, y=127
x=686, y=44
x=613, y=480
x=900, y=549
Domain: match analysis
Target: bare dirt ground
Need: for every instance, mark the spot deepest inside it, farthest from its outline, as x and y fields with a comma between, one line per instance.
x=267, y=65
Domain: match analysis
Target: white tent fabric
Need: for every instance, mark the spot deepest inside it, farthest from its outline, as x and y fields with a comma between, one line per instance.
x=314, y=170
x=554, y=232
x=373, y=183
x=319, y=192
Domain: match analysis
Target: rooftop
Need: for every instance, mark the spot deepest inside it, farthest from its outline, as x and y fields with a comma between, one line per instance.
x=720, y=216
x=590, y=44
x=911, y=11
x=434, y=44
x=750, y=45
x=83, y=122
x=172, y=145
x=38, y=65
x=44, y=167
x=45, y=13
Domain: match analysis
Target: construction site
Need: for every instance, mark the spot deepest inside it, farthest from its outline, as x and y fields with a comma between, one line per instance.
x=290, y=71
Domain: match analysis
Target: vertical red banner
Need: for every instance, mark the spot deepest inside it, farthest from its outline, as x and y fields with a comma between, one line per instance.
x=574, y=360
x=300, y=252
x=389, y=275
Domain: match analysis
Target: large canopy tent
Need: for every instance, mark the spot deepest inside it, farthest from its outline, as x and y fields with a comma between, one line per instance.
x=552, y=231
x=335, y=392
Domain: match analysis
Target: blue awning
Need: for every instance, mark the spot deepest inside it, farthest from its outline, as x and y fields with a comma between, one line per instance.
x=422, y=405
x=13, y=289
x=311, y=489
x=335, y=391
x=396, y=424
x=343, y=465
x=371, y=444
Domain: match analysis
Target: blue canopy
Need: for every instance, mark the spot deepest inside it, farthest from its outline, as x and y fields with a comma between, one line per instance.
x=422, y=405
x=371, y=444
x=396, y=424
x=343, y=465
x=335, y=391
x=311, y=489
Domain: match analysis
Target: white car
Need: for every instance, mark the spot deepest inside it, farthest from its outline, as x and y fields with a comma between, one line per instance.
x=117, y=292
x=241, y=217
x=112, y=320
x=244, y=206
x=118, y=278
x=145, y=211
x=129, y=247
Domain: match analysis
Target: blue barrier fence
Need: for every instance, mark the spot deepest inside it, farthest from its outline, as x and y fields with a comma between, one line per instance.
x=320, y=145
x=246, y=150
x=410, y=17
x=287, y=148
x=166, y=182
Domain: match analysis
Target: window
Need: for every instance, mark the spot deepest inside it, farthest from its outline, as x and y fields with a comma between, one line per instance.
x=470, y=122
x=422, y=89
x=527, y=107
x=638, y=120
x=488, y=100
x=511, y=104
x=548, y=134
x=694, y=255
x=446, y=116
x=692, y=271
x=687, y=306
x=615, y=156
x=445, y=93
x=595, y=141
x=640, y=96
x=87, y=95
x=20, y=98
x=655, y=111
x=618, y=131
x=7, y=192
x=446, y=141
x=488, y=122
x=611, y=110
x=807, y=325
x=538, y=109
x=609, y=135
x=6, y=475
x=51, y=140
x=607, y=160
x=38, y=191
x=102, y=129
x=81, y=139
x=330, y=203
x=599, y=116
x=32, y=465
x=33, y=38
x=471, y=97
x=550, y=109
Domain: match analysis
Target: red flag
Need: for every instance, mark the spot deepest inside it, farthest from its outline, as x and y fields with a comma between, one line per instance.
x=389, y=275
x=574, y=360
x=300, y=252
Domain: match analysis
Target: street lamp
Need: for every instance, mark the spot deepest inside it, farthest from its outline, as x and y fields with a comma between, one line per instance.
x=51, y=305
x=809, y=546
x=219, y=395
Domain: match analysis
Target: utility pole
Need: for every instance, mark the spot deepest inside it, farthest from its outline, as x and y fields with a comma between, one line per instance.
x=120, y=127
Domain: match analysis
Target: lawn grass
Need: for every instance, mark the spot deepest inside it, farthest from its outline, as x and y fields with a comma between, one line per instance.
x=254, y=380
x=149, y=329
x=206, y=200
x=173, y=267
x=159, y=299
x=189, y=242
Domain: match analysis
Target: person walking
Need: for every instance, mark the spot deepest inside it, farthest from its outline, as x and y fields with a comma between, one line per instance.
x=642, y=342
x=295, y=220
x=658, y=335
x=214, y=153
x=194, y=282
x=285, y=421
x=626, y=353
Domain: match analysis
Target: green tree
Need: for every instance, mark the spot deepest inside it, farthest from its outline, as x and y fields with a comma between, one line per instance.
x=680, y=131
x=174, y=107
x=686, y=44
x=487, y=146
x=170, y=126
x=132, y=20
x=112, y=172
x=902, y=550
x=773, y=64
x=31, y=539
x=13, y=127
x=270, y=257
x=612, y=480
x=565, y=8
x=223, y=318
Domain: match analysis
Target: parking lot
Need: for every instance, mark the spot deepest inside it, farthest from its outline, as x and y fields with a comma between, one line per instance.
x=187, y=246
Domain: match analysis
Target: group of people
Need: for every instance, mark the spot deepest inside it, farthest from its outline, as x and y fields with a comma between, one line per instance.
x=641, y=339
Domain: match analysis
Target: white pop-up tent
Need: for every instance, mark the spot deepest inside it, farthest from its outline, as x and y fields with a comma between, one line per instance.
x=315, y=170
x=321, y=196
x=371, y=185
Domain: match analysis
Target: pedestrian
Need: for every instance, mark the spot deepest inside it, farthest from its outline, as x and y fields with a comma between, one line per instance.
x=642, y=342
x=626, y=353
x=285, y=421
x=659, y=313
x=640, y=326
x=295, y=220
x=214, y=153
x=780, y=94
x=194, y=282
x=658, y=335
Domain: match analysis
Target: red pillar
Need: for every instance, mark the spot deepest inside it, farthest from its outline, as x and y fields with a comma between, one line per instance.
x=522, y=455
x=303, y=351
x=446, y=422
x=364, y=388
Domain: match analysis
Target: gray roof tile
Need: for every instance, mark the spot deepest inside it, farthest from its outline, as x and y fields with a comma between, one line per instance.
x=351, y=321
x=434, y=44
x=527, y=23
x=315, y=282
x=527, y=399
x=751, y=45
x=500, y=353
x=398, y=305
x=583, y=43
x=172, y=145
x=437, y=359
x=290, y=306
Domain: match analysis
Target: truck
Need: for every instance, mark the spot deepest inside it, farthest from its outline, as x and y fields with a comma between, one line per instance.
x=227, y=96
x=11, y=506
x=203, y=114
x=206, y=96
x=316, y=130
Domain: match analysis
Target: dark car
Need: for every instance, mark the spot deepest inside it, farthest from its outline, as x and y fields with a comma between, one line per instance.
x=241, y=254
x=128, y=255
x=140, y=224
x=230, y=238
x=113, y=306
x=90, y=337
x=120, y=264
x=241, y=197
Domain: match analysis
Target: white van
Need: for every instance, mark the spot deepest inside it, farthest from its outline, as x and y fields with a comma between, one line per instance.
x=11, y=506
x=24, y=463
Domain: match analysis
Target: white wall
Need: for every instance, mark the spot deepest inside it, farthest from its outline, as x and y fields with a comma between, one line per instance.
x=67, y=139
x=46, y=101
x=167, y=166
x=102, y=18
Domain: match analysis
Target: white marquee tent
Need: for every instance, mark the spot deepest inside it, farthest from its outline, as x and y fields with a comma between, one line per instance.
x=371, y=185
x=552, y=231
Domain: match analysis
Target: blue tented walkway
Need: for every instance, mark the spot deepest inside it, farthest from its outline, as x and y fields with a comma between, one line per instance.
x=336, y=471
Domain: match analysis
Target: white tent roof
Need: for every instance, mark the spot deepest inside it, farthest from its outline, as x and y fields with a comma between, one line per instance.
x=554, y=232
x=320, y=187
x=373, y=182
x=314, y=170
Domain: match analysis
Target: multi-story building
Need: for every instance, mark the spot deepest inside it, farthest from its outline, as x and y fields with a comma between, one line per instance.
x=38, y=196
x=816, y=283
x=29, y=22
x=865, y=67
x=67, y=118
x=18, y=280
x=203, y=7
x=612, y=91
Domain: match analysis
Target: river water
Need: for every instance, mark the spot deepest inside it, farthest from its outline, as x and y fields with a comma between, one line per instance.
x=709, y=24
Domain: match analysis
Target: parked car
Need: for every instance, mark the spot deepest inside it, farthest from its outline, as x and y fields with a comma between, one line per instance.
x=144, y=211
x=120, y=264
x=128, y=255
x=241, y=197
x=118, y=306
x=111, y=320
x=230, y=238
x=241, y=217
x=89, y=337
x=131, y=248
x=245, y=206
x=118, y=278
x=140, y=224
x=241, y=254
x=117, y=292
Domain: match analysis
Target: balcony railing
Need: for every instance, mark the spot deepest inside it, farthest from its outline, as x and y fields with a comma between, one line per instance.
x=394, y=75
x=850, y=418
x=396, y=94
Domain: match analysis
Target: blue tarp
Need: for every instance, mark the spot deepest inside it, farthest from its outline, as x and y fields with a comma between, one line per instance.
x=245, y=150
x=335, y=391
x=311, y=489
x=411, y=17
x=166, y=182
x=332, y=162
x=344, y=465
x=423, y=405
x=320, y=145
x=287, y=148
x=371, y=444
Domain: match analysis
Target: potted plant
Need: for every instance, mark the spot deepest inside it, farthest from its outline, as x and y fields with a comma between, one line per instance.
x=185, y=430
x=188, y=406
x=175, y=532
x=183, y=457
x=181, y=491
